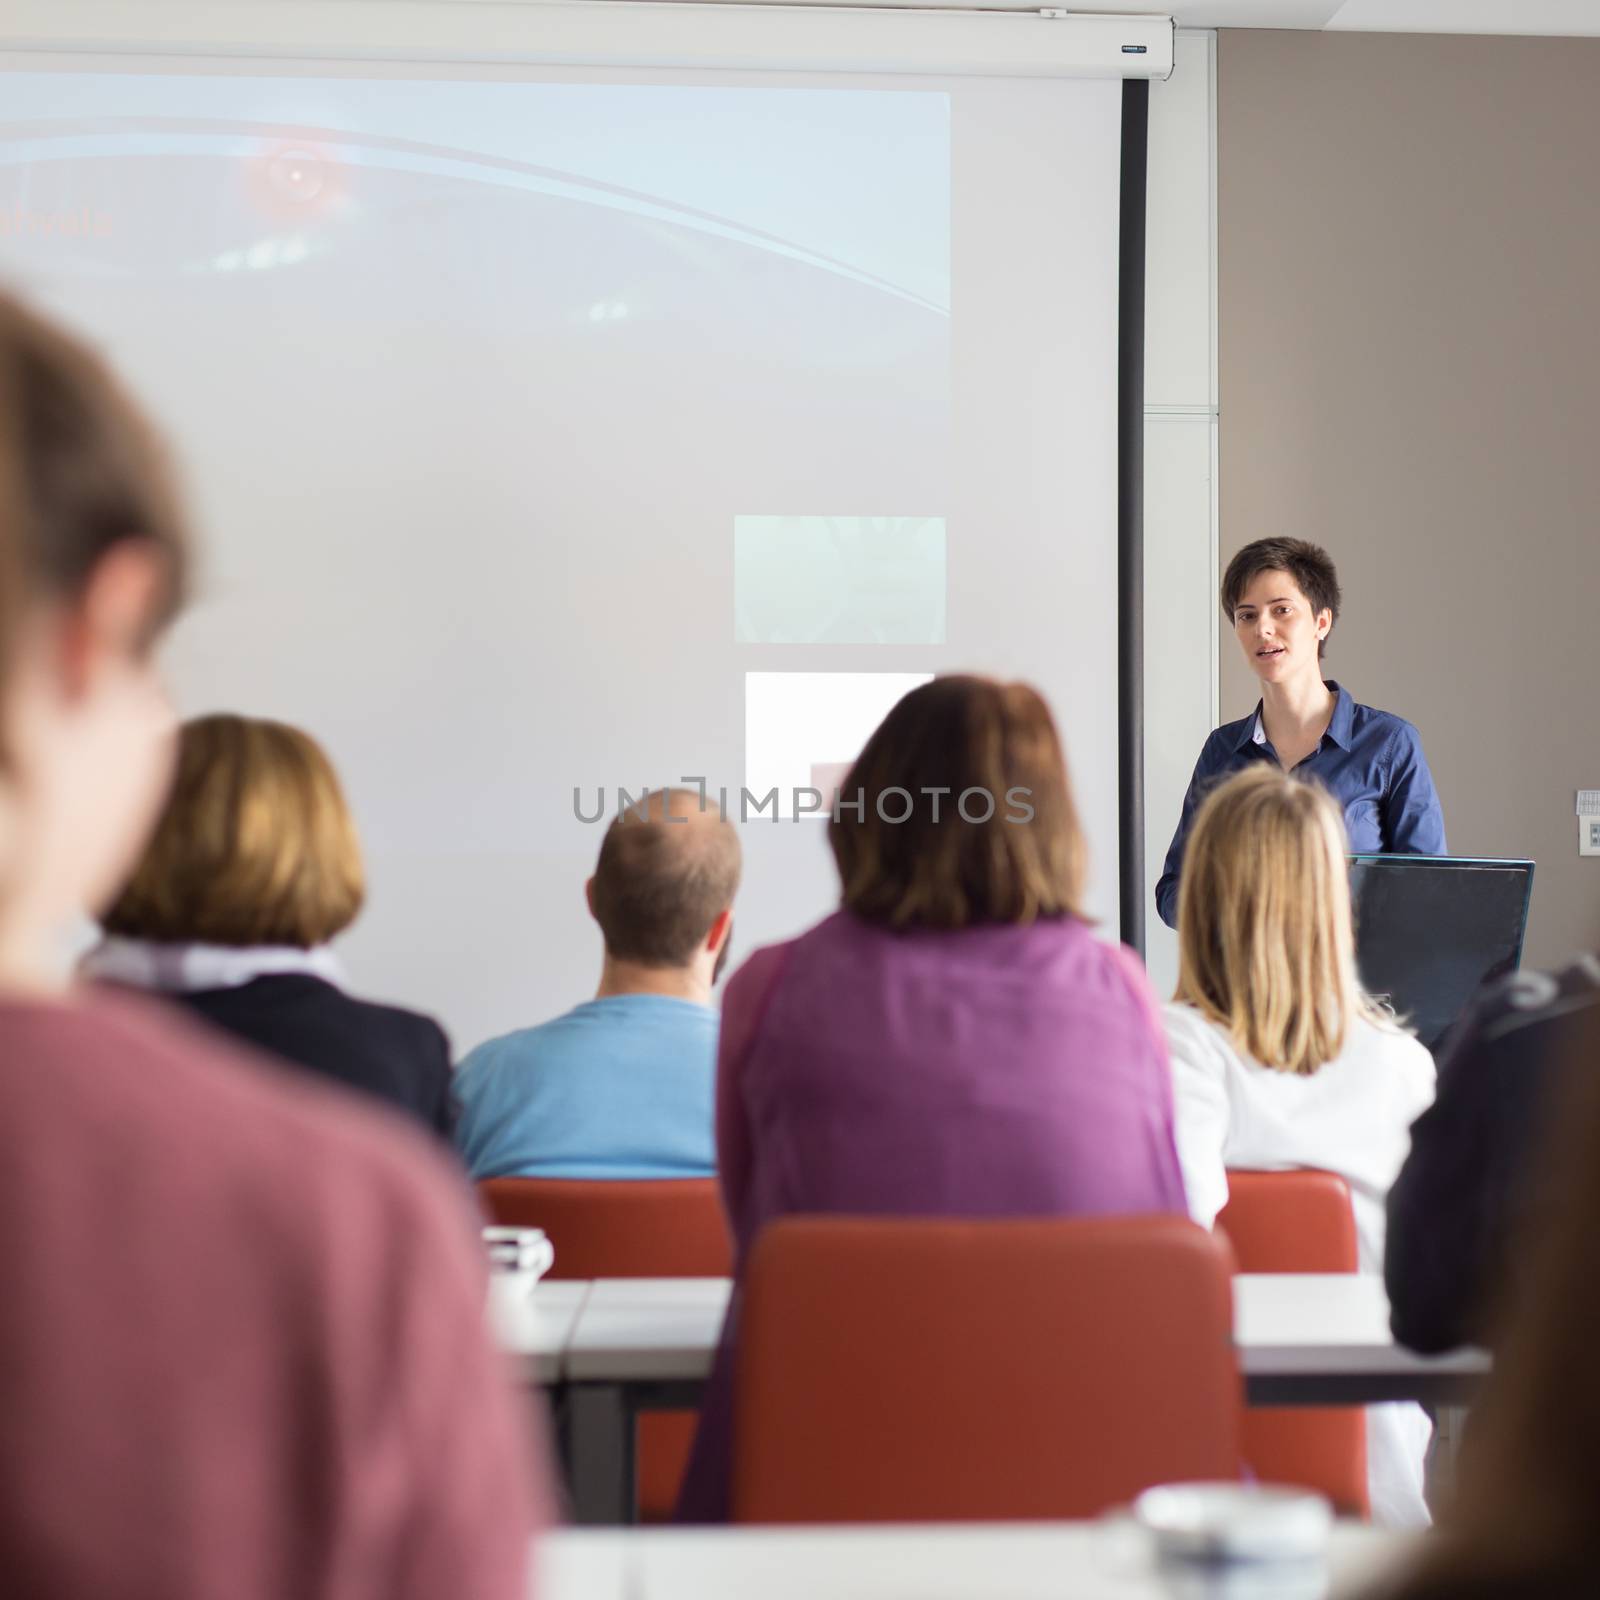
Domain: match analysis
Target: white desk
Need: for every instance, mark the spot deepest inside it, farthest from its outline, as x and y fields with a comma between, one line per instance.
x=535, y=1330
x=1294, y=1333
x=1323, y=1339
x=654, y=1330
x=981, y=1561
x=640, y=1344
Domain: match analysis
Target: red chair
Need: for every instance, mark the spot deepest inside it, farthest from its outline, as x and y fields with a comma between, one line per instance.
x=623, y=1228
x=1300, y=1222
x=632, y=1228
x=913, y=1370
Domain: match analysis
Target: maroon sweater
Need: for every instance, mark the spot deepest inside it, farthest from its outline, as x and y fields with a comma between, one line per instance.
x=241, y=1334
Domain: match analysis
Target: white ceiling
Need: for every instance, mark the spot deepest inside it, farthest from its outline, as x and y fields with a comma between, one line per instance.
x=1566, y=17
x=1570, y=17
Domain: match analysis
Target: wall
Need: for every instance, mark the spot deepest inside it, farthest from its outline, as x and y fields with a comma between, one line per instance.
x=1408, y=228
x=1180, y=451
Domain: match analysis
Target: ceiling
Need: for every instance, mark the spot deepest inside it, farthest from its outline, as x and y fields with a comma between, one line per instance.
x=1563, y=17
x=1571, y=17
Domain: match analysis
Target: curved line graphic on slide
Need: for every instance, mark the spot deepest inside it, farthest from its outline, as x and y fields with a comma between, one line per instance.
x=110, y=136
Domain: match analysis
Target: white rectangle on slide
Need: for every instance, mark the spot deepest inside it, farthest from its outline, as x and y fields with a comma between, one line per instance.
x=802, y=728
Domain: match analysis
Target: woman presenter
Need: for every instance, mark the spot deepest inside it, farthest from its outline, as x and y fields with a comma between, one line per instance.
x=1282, y=597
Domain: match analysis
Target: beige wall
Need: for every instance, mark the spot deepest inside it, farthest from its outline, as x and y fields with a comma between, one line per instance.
x=1409, y=372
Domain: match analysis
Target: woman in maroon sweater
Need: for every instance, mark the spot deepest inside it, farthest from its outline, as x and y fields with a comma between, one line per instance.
x=241, y=1335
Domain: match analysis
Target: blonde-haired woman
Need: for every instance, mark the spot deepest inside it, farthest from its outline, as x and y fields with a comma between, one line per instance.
x=1279, y=1059
x=253, y=870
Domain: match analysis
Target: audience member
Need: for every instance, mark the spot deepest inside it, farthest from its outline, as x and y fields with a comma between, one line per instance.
x=253, y=868
x=1278, y=1059
x=621, y=1086
x=1521, y=1523
x=241, y=1340
x=1457, y=1211
x=955, y=1040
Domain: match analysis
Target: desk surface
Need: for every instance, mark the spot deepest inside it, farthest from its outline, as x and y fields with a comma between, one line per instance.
x=658, y=1329
x=535, y=1327
x=1021, y=1561
x=1299, y=1323
x=629, y=1330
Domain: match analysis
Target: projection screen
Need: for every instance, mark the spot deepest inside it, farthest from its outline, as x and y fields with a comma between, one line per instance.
x=555, y=431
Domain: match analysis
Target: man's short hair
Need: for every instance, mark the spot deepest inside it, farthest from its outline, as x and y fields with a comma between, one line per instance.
x=1308, y=564
x=659, y=885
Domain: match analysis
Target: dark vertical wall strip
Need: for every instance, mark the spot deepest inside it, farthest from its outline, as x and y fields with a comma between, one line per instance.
x=1130, y=515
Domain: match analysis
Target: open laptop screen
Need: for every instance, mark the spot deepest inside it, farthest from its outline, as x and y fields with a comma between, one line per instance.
x=1432, y=930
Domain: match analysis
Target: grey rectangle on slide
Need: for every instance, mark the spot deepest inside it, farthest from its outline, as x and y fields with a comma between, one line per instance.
x=839, y=580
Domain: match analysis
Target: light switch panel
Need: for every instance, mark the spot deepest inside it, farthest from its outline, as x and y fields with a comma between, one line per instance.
x=1589, y=822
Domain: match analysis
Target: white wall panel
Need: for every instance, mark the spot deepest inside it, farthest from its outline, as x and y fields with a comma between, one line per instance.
x=1180, y=365
x=1180, y=641
x=1180, y=453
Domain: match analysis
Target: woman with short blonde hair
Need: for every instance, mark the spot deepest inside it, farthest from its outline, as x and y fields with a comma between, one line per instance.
x=1279, y=1059
x=256, y=845
x=254, y=868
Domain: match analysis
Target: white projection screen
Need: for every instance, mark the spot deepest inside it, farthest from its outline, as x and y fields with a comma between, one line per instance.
x=538, y=419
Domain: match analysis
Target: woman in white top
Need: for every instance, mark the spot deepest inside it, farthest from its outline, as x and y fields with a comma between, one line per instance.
x=1278, y=1058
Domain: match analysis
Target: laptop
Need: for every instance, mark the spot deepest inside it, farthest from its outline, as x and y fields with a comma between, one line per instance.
x=1432, y=930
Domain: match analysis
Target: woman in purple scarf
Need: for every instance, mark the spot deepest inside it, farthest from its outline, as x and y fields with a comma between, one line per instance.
x=954, y=1041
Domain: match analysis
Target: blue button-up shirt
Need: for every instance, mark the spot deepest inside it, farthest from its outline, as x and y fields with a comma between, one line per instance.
x=1369, y=761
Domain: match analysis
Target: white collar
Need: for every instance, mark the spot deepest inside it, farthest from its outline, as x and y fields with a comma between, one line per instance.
x=1258, y=734
x=172, y=968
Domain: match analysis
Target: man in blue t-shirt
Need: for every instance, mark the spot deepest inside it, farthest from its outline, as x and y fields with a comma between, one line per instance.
x=621, y=1086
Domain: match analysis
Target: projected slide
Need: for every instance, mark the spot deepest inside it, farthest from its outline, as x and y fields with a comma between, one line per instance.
x=839, y=580
x=563, y=428
x=849, y=183
x=803, y=730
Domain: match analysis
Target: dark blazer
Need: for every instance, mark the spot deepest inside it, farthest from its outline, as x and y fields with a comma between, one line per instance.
x=1459, y=1211
x=399, y=1056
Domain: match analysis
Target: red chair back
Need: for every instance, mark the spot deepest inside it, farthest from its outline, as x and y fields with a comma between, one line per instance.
x=909, y=1370
x=628, y=1228
x=623, y=1228
x=1300, y=1222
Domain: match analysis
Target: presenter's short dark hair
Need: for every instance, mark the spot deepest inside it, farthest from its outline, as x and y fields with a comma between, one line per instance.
x=1308, y=564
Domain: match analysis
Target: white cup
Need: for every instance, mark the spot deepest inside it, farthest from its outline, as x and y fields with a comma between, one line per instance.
x=1237, y=1541
x=526, y=1253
